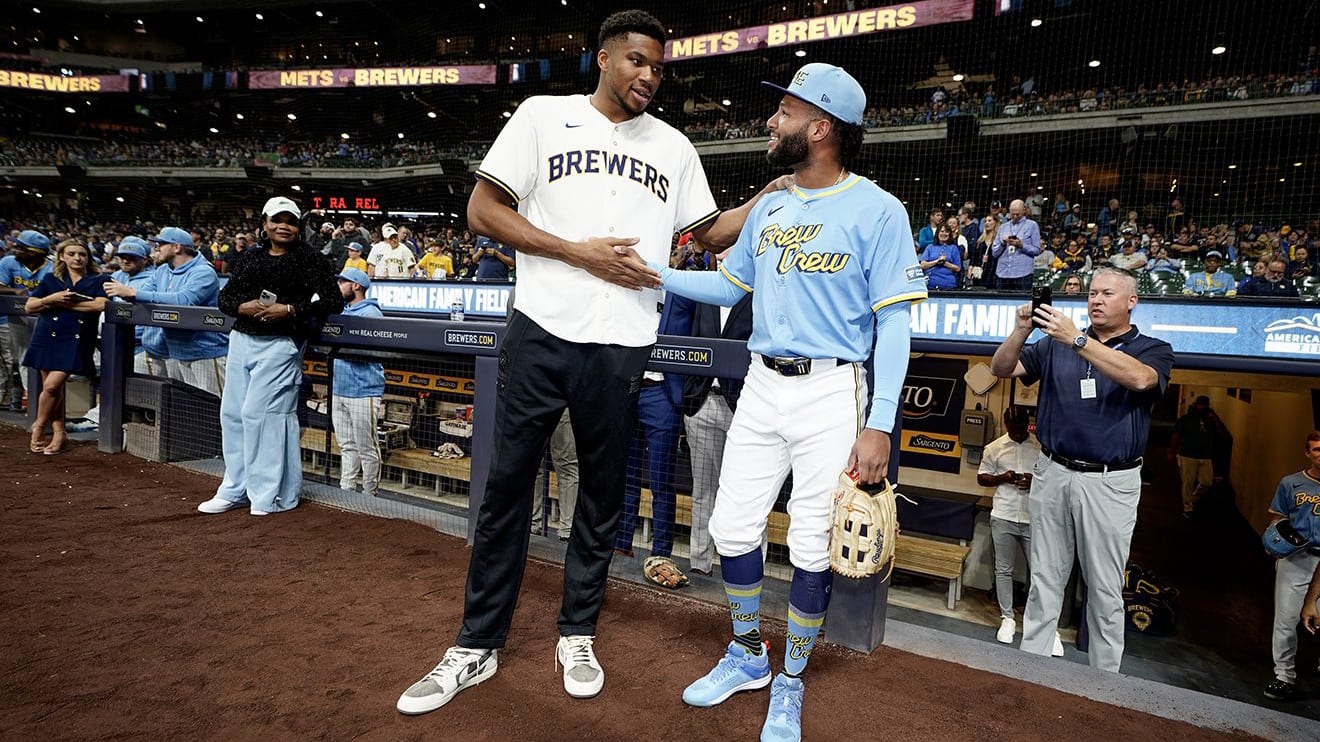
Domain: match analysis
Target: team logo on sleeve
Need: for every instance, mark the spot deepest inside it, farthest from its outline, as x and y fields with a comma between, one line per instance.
x=914, y=274
x=795, y=257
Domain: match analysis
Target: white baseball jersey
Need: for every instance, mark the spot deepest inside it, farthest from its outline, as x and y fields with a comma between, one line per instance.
x=576, y=174
x=390, y=262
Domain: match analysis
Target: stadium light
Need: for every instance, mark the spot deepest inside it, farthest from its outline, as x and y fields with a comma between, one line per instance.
x=344, y=136
x=238, y=116
x=726, y=102
x=1035, y=22
x=296, y=187
x=800, y=53
x=70, y=109
x=959, y=77
x=214, y=130
x=1033, y=175
x=201, y=19
x=37, y=11
x=319, y=14
x=1219, y=50
x=293, y=117
x=506, y=114
x=120, y=199
x=1232, y=167
x=401, y=135
x=1297, y=164
x=1093, y=63
x=481, y=5
x=261, y=17
x=430, y=114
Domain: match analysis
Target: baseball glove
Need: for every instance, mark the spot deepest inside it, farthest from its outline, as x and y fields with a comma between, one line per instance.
x=863, y=529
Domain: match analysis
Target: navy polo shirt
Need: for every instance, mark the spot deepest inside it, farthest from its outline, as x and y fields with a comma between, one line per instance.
x=1112, y=427
x=489, y=266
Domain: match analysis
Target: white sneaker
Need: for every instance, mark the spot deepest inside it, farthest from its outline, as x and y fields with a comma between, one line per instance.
x=1058, y=646
x=583, y=676
x=217, y=505
x=254, y=511
x=461, y=668
x=1007, y=628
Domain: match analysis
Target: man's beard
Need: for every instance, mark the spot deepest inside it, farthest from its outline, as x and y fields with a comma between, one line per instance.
x=791, y=151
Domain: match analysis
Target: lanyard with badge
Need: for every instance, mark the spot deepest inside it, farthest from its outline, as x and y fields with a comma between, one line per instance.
x=1088, y=384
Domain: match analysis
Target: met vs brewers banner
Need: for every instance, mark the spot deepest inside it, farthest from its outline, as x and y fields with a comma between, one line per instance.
x=933, y=398
x=820, y=28
x=372, y=77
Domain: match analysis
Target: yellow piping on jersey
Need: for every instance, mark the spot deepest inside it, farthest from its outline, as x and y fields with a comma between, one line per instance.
x=498, y=184
x=698, y=223
x=913, y=297
x=816, y=196
x=735, y=281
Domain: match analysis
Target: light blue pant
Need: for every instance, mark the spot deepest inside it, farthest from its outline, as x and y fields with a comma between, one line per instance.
x=259, y=423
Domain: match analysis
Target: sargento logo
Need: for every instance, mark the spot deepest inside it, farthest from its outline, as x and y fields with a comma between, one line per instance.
x=333, y=330
x=416, y=380
x=123, y=312
x=1296, y=335
x=682, y=354
x=165, y=315
x=927, y=443
x=214, y=320
x=924, y=396
x=470, y=338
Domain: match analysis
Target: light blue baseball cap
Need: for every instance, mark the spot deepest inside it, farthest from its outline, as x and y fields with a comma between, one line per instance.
x=34, y=239
x=829, y=88
x=356, y=275
x=133, y=246
x=173, y=236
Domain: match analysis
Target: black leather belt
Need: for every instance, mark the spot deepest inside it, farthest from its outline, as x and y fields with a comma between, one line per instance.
x=794, y=366
x=1087, y=466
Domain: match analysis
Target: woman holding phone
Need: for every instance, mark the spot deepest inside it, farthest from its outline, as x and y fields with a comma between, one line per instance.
x=67, y=302
x=279, y=294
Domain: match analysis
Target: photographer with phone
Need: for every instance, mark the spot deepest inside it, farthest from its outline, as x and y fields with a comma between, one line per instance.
x=1097, y=390
x=1015, y=248
x=68, y=302
x=270, y=293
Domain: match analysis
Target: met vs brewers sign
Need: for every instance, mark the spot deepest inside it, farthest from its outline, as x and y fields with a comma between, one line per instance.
x=933, y=399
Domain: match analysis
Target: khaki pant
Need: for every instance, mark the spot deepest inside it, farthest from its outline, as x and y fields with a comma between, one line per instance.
x=1197, y=475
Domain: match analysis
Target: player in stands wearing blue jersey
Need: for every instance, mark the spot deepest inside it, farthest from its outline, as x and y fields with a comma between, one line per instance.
x=832, y=273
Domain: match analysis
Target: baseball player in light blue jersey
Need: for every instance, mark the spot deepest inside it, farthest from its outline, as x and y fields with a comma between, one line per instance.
x=833, y=272
x=1297, y=500
x=135, y=269
x=19, y=274
x=358, y=386
x=184, y=278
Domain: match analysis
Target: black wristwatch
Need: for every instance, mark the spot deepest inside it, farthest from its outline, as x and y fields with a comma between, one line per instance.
x=1079, y=342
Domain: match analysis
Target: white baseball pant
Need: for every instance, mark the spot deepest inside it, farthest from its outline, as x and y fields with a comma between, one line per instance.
x=359, y=448
x=808, y=423
x=207, y=374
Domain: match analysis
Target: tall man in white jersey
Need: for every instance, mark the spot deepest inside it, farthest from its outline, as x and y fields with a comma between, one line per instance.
x=834, y=274
x=587, y=174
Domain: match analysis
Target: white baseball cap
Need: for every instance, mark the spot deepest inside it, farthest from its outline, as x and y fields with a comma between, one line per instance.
x=388, y=232
x=281, y=205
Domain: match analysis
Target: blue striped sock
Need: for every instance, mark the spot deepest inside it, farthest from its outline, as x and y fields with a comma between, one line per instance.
x=742, y=585
x=808, y=599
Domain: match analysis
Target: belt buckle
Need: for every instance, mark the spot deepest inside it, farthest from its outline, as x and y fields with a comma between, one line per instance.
x=792, y=366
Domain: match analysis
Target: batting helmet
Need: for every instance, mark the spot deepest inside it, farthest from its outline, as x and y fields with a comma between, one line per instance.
x=1282, y=540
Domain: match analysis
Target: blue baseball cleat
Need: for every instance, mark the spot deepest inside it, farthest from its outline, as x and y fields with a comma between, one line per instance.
x=738, y=670
x=783, y=723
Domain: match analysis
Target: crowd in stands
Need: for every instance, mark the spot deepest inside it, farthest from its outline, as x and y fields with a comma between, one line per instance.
x=1170, y=253
x=433, y=250
x=222, y=152
x=1026, y=98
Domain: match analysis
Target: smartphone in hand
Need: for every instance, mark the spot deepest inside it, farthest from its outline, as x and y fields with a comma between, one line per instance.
x=267, y=298
x=1040, y=295
x=75, y=296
